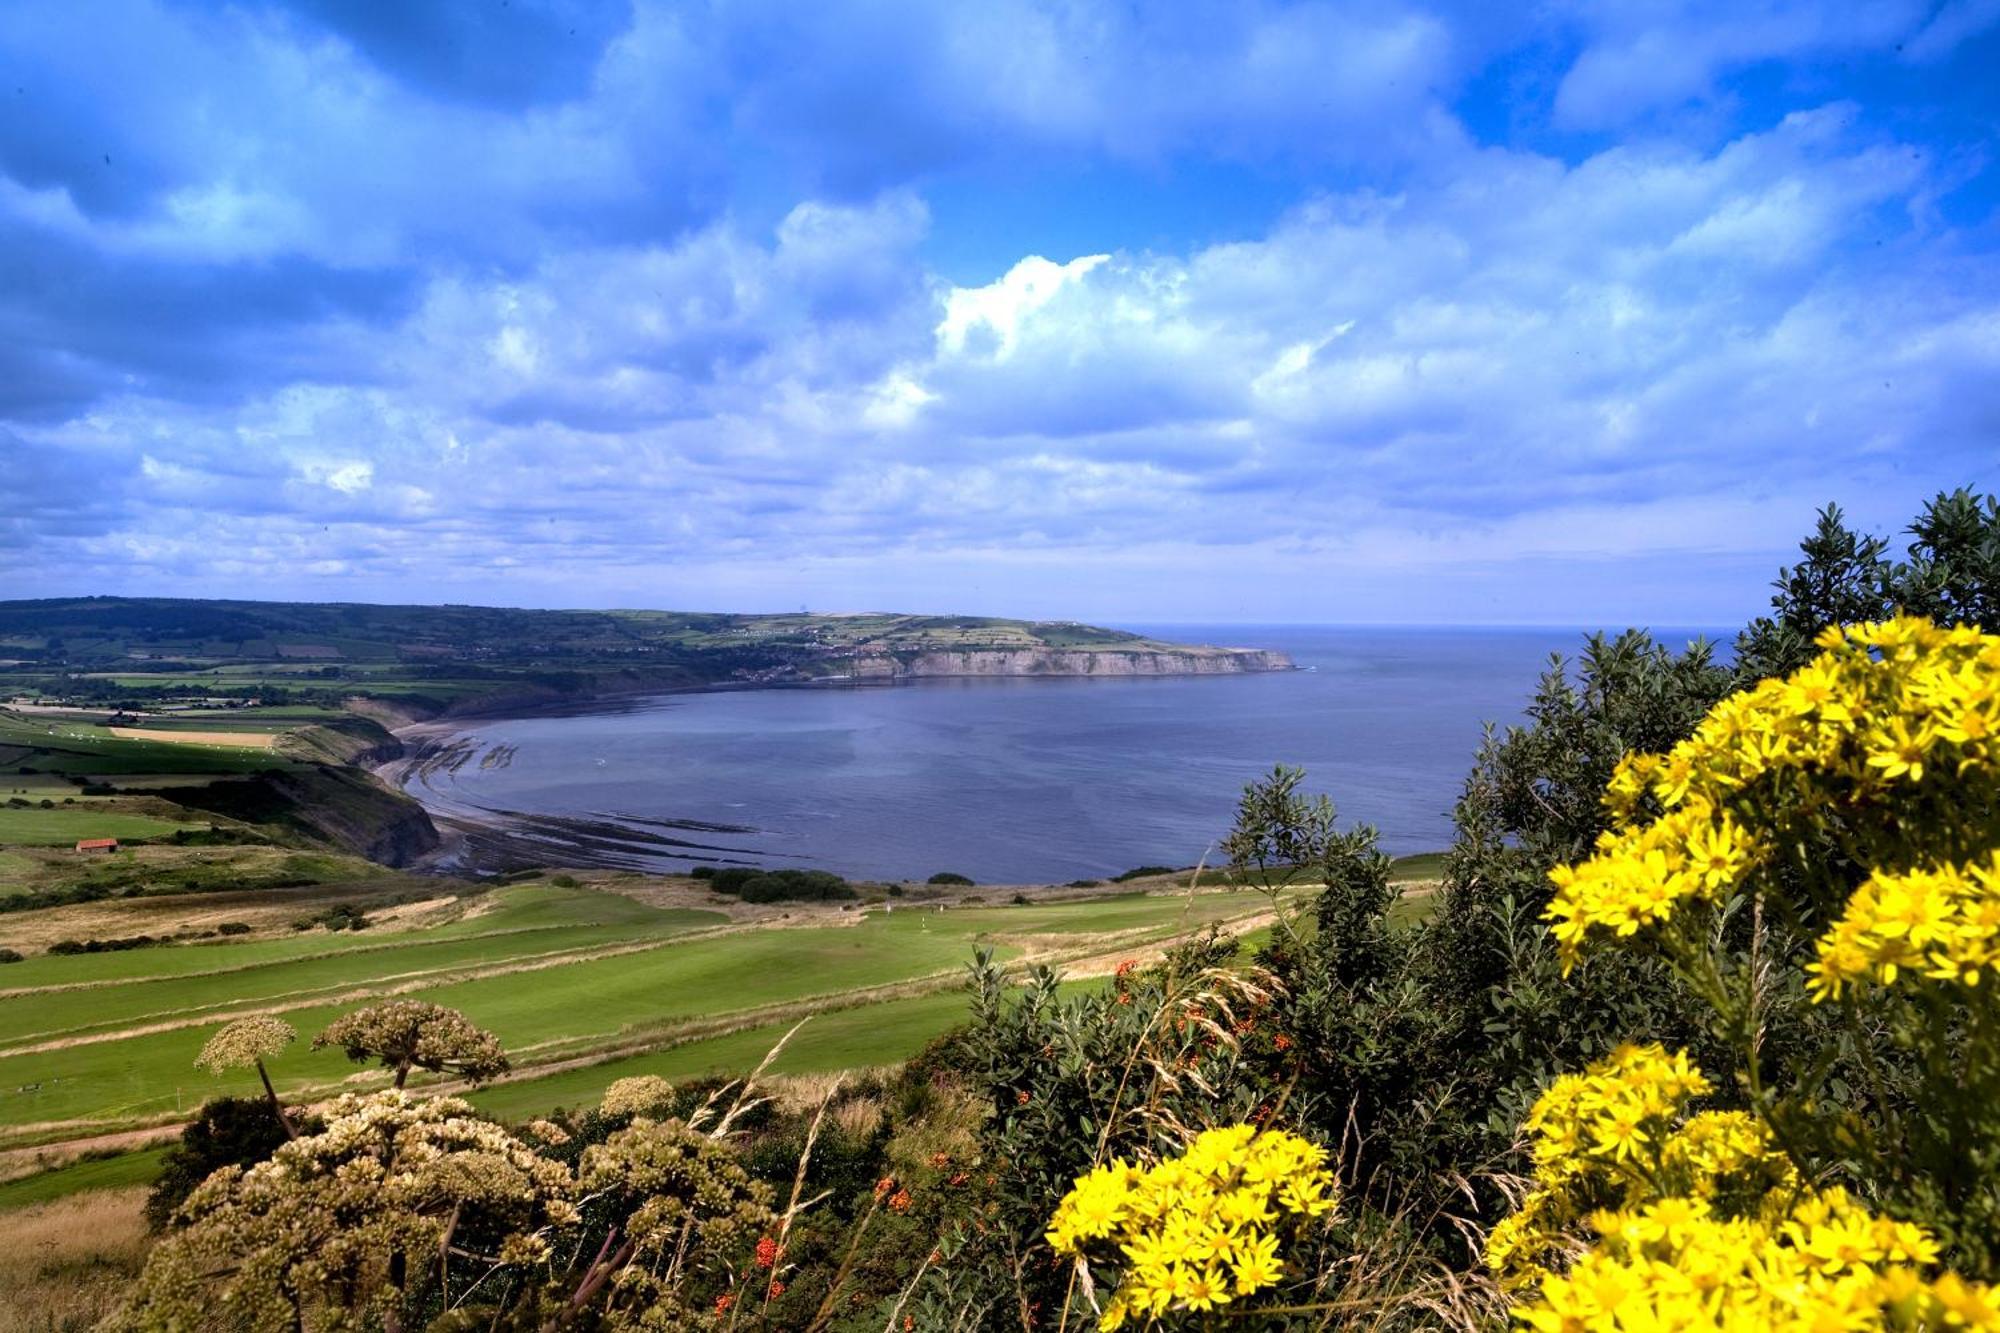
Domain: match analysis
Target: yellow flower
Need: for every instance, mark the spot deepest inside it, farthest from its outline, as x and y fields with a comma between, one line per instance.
x=1666, y=1257
x=1199, y=1230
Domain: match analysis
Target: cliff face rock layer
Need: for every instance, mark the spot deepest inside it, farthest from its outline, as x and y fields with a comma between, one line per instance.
x=1058, y=662
x=336, y=806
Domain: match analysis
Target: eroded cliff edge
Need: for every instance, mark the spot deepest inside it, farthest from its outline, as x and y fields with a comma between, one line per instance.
x=1060, y=662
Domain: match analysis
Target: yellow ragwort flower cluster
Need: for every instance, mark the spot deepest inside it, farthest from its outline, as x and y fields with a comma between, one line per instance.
x=1674, y=1221
x=1884, y=709
x=1201, y=1229
x=1825, y=1264
x=1611, y=1112
x=1941, y=923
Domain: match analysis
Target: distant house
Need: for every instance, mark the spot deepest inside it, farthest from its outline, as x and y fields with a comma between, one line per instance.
x=97, y=844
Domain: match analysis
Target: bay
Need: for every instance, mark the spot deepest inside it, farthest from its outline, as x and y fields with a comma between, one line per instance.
x=1017, y=780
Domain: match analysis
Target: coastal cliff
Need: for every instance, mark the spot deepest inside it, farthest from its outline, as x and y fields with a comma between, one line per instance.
x=1059, y=662
x=327, y=805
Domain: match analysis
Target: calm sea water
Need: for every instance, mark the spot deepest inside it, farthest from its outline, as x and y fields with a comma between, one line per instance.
x=1019, y=781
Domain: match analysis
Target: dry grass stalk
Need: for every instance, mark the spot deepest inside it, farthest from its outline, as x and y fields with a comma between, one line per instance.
x=65, y=1264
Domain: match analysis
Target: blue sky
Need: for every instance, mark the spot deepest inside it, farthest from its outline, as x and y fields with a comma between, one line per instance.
x=1383, y=312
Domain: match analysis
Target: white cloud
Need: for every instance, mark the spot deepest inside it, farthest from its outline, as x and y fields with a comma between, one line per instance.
x=986, y=321
x=676, y=334
x=1640, y=58
x=349, y=478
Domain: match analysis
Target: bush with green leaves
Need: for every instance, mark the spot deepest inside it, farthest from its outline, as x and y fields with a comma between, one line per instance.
x=755, y=885
x=1949, y=573
x=227, y=1131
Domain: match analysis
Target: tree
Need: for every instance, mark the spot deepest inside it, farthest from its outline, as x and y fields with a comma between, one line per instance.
x=414, y=1034
x=250, y=1041
x=1951, y=574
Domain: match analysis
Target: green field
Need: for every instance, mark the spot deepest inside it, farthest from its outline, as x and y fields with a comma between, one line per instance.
x=77, y=748
x=53, y=828
x=563, y=973
x=862, y=1037
x=91, y=1173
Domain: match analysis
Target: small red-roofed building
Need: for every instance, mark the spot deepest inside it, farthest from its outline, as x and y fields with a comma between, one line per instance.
x=97, y=844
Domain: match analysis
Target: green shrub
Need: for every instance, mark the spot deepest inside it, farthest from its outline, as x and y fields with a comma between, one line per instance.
x=64, y=948
x=10, y=956
x=731, y=879
x=1144, y=872
x=796, y=886
x=948, y=877
x=755, y=885
x=227, y=1131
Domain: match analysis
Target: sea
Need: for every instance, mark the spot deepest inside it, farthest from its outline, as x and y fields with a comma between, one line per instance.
x=1018, y=781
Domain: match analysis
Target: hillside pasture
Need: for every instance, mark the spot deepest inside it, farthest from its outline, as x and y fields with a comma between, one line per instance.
x=36, y=827
x=560, y=975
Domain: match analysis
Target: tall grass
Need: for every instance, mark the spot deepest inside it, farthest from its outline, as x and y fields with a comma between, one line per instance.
x=65, y=1264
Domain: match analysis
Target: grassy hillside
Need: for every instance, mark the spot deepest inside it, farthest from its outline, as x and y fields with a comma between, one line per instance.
x=207, y=656
x=563, y=975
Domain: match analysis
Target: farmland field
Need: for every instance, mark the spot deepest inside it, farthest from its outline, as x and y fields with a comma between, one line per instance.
x=100, y=1042
x=240, y=740
x=52, y=828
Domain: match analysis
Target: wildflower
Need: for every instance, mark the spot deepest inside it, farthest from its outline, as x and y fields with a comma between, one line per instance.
x=723, y=1302
x=1200, y=1230
x=637, y=1095
x=1883, y=707
x=1941, y=923
x=1665, y=1256
x=899, y=1202
x=767, y=1252
x=547, y=1132
x=777, y=1289
x=247, y=1041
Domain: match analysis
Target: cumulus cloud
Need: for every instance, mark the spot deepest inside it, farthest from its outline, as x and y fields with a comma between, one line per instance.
x=353, y=312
